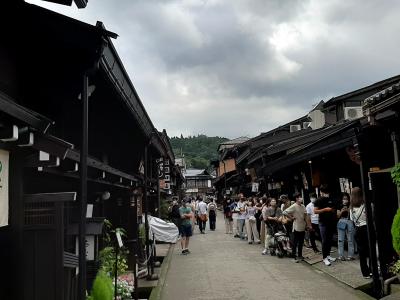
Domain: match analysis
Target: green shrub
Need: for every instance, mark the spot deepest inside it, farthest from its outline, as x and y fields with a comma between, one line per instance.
x=396, y=220
x=396, y=174
x=107, y=260
x=396, y=231
x=102, y=287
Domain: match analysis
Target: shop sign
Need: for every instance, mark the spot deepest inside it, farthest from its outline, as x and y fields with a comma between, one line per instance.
x=4, y=158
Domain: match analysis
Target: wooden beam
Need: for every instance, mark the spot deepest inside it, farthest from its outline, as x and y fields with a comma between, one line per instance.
x=50, y=197
x=11, y=108
x=74, y=155
x=52, y=145
x=9, y=133
x=42, y=159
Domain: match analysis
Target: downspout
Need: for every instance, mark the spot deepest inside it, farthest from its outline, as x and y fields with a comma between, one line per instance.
x=83, y=170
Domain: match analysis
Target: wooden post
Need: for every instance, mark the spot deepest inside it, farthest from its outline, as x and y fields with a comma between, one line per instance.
x=83, y=189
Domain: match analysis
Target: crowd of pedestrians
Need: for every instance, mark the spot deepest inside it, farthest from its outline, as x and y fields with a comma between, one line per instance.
x=191, y=212
x=284, y=225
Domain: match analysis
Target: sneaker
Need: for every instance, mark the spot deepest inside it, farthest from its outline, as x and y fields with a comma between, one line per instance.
x=264, y=252
x=342, y=258
x=367, y=277
x=250, y=243
x=236, y=236
x=295, y=260
x=184, y=252
x=350, y=258
x=326, y=261
x=187, y=251
x=330, y=258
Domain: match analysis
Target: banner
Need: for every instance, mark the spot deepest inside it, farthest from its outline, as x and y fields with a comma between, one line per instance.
x=4, y=155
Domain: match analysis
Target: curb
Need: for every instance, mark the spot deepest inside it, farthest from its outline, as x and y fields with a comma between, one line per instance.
x=156, y=292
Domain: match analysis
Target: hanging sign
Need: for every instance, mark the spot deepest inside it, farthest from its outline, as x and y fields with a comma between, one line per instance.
x=254, y=187
x=4, y=157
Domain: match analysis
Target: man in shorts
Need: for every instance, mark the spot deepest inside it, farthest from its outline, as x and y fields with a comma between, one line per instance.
x=185, y=229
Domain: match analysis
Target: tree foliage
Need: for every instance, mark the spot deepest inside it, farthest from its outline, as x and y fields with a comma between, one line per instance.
x=198, y=150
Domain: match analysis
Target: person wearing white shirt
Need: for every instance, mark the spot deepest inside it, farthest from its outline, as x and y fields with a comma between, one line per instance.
x=242, y=216
x=359, y=216
x=202, y=208
x=314, y=231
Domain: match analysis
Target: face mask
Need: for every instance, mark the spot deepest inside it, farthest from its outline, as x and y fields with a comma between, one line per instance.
x=300, y=200
x=313, y=200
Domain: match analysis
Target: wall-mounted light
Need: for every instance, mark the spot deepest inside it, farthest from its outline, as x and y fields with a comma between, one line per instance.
x=106, y=195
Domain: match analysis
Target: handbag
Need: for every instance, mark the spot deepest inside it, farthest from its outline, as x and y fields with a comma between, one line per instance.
x=252, y=219
x=342, y=225
x=204, y=218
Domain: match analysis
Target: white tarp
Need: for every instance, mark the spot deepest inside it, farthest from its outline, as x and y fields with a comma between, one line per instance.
x=163, y=231
x=4, y=155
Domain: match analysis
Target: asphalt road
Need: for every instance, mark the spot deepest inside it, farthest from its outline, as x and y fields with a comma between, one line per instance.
x=222, y=267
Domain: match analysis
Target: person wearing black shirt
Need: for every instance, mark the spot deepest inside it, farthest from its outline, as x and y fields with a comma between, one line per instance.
x=326, y=208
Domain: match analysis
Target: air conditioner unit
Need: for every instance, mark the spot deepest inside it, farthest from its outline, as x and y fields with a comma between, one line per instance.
x=294, y=128
x=306, y=125
x=354, y=112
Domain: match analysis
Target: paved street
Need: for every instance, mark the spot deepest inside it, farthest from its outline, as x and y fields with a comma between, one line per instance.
x=222, y=267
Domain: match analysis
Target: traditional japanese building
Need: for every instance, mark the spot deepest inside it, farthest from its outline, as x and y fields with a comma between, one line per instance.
x=76, y=144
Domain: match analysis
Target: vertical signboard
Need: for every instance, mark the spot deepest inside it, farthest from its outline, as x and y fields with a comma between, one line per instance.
x=4, y=157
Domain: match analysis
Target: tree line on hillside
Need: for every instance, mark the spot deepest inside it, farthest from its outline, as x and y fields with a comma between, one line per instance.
x=198, y=150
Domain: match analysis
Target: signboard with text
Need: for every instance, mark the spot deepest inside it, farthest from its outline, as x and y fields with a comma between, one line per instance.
x=4, y=167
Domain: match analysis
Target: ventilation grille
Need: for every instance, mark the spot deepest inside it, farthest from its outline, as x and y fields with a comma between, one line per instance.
x=39, y=213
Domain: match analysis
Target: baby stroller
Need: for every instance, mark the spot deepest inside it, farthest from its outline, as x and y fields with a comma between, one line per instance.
x=281, y=242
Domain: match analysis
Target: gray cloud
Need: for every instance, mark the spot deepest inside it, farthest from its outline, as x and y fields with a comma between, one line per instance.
x=233, y=68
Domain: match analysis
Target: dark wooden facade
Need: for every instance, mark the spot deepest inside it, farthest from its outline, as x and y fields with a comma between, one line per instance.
x=360, y=150
x=49, y=62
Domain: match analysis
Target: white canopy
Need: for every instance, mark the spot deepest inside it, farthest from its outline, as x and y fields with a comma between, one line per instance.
x=163, y=231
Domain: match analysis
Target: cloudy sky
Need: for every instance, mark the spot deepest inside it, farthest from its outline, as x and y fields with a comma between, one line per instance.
x=241, y=67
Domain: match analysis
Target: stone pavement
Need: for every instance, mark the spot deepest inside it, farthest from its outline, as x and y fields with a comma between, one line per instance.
x=222, y=267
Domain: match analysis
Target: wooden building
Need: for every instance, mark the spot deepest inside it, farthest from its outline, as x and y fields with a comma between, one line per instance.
x=350, y=140
x=73, y=133
x=198, y=182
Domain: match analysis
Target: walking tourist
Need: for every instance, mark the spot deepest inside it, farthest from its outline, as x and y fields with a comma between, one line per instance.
x=212, y=214
x=271, y=217
x=202, y=211
x=241, y=205
x=258, y=206
x=359, y=216
x=298, y=213
x=235, y=218
x=185, y=228
x=345, y=229
x=251, y=226
x=228, y=217
x=174, y=213
x=326, y=208
x=314, y=230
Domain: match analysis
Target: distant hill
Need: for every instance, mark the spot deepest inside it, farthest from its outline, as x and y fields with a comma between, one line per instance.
x=198, y=150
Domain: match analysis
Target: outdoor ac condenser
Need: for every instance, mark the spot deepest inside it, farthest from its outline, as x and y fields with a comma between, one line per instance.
x=354, y=112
